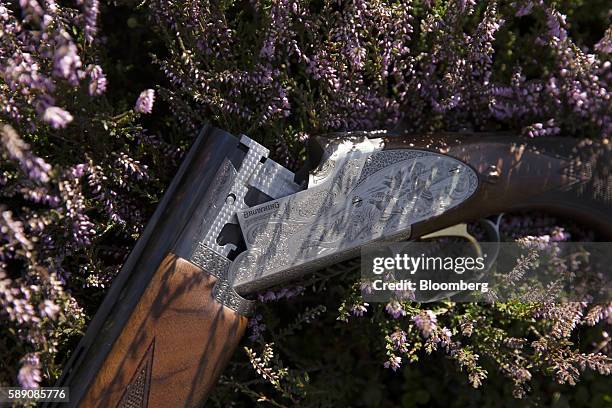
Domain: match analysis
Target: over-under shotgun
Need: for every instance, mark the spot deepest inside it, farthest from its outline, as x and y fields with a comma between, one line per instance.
x=233, y=222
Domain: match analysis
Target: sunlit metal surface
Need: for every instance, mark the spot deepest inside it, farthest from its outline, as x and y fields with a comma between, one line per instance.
x=359, y=194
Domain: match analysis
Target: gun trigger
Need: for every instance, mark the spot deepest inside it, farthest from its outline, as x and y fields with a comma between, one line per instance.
x=459, y=230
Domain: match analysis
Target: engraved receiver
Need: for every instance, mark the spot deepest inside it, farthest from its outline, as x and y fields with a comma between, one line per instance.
x=233, y=222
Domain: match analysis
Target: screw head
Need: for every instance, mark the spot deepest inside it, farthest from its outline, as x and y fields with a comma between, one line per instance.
x=492, y=174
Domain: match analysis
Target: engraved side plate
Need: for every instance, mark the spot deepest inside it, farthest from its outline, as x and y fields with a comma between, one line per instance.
x=364, y=196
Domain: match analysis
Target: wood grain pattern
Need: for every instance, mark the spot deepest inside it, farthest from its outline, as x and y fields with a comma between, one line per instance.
x=174, y=347
x=532, y=174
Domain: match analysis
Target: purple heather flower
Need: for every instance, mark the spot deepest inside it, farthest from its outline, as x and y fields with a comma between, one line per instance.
x=605, y=44
x=133, y=168
x=31, y=8
x=395, y=309
x=57, y=117
x=22, y=73
x=425, y=322
x=29, y=374
x=360, y=310
x=267, y=297
x=13, y=230
x=144, y=104
x=542, y=129
x=284, y=293
x=81, y=227
x=393, y=363
x=524, y=9
x=520, y=373
x=466, y=5
x=49, y=309
x=599, y=313
x=559, y=234
x=398, y=339
x=467, y=328
x=556, y=24
x=4, y=13
x=35, y=167
x=40, y=195
x=90, y=12
x=366, y=287
x=257, y=328
x=303, y=137
x=79, y=170
x=428, y=3
x=97, y=83
x=444, y=336
x=67, y=63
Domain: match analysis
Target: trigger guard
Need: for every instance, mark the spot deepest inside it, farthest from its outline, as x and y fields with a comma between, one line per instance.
x=491, y=228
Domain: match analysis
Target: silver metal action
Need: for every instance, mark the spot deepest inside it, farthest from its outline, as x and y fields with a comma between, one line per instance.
x=358, y=195
x=224, y=199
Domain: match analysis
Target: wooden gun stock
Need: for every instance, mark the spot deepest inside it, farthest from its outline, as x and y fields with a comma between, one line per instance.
x=174, y=346
x=160, y=339
x=563, y=176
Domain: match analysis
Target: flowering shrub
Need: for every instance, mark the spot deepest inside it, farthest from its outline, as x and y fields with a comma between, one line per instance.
x=296, y=68
x=71, y=188
x=80, y=174
x=284, y=70
x=524, y=343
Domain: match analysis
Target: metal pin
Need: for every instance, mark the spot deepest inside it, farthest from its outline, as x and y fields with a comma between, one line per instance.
x=492, y=174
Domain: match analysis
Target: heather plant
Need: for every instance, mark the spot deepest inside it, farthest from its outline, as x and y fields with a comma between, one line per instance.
x=70, y=182
x=292, y=69
x=526, y=342
x=80, y=175
x=285, y=70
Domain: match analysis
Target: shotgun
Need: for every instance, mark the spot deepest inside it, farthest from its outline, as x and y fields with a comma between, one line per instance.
x=233, y=223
